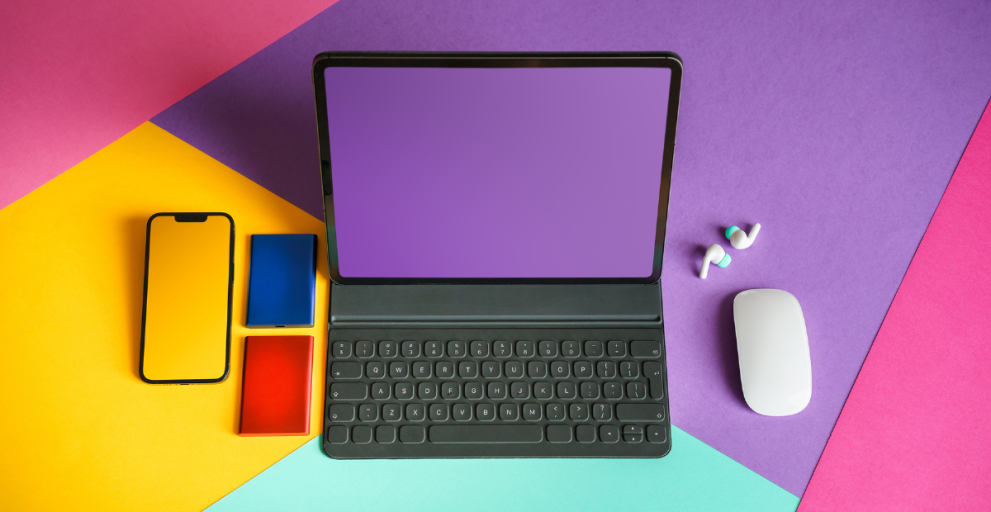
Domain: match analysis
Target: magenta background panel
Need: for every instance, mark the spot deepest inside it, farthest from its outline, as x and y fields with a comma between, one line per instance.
x=79, y=75
x=836, y=126
x=915, y=433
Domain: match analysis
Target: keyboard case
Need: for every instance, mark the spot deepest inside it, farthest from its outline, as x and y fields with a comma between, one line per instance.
x=601, y=312
x=470, y=310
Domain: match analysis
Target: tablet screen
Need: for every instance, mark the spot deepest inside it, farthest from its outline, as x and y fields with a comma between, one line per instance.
x=496, y=173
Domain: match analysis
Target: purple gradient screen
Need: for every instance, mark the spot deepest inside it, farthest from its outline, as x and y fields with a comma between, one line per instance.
x=496, y=173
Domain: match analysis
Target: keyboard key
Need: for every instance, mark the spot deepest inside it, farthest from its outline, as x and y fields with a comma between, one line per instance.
x=337, y=435
x=457, y=349
x=438, y=412
x=348, y=391
x=399, y=369
x=633, y=433
x=411, y=349
x=433, y=349
x=392, y=412
x=629, y=370
x=461, y=412
x=381, y=391
x=525, y=349
x=593, y=348
x=636, y=390
x=578, y=412
x=616, y=348
x=364, y=349
x=485, y=434
x=612, y=390
x=570, y=349
x=427, y=390
x=341, y=413
x=496, y=390
x=502, y=349
x=566, y=390
x=468, y=369
x=640, y=412
x=514, y=369
x=361, y=434
x=583, y=369
x=375, y=370
x=605, y=369
x=585, y=433
x=388, y=349
x=385, y=434
x=450, y=391
x=656, y=434
x=531, y=412
x=519, y=390
x=509, y=412
x=543, y=390
x=368, y=413
x=473, y=390
x=602, y=412
x=590, y=390
x=609, y=433
x=547, y=348
x=555, y=412
x=560, y=370
x=491, y=370
x=655, y=377
x=535, y=369
x=421, y=370
x=480, y=348
x=404, y=390
x=415, y=412
x=342, y=371
x=645, y=349
x=485, y=412
x=342, y=349
x=559, y=433
x=412, y=434
x=445, y=370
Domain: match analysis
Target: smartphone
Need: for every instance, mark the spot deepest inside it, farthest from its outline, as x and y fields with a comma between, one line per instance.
x=186, y=316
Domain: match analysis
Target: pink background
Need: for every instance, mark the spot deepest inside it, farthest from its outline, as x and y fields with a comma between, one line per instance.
x=914, y=433
x=79, y=75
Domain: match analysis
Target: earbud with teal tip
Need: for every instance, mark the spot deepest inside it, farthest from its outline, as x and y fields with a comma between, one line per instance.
x=740, y=240
x=714, y=254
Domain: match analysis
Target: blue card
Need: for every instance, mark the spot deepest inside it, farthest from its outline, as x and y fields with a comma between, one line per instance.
x=282, y=281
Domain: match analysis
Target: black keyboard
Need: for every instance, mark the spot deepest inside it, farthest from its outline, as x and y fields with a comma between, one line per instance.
x=416, y=393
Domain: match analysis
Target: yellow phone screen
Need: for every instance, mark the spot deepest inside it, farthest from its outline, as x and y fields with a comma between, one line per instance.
x=185, y=335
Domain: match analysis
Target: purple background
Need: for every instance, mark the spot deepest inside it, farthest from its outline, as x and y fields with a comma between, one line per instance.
x=517, y=172
x=835, y=125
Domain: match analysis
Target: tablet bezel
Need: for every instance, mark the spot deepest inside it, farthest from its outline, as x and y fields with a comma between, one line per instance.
x=495, y=60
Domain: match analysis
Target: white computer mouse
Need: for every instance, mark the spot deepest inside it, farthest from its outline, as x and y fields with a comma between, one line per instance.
x=774, y=351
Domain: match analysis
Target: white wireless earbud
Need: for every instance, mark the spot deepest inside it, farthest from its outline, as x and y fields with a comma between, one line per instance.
x=740, y=240
x=714, y=254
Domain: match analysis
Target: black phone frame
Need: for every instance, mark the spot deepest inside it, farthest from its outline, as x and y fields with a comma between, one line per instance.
x=190, y=217
x=496, y=60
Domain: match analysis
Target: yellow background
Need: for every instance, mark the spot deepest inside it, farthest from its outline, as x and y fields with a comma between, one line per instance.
x=79, y=429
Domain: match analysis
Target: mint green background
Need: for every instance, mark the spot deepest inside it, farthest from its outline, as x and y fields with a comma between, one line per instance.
x=693, y=476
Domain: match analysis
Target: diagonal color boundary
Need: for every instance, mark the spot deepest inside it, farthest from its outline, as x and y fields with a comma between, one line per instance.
x=79, y=75
x=693, y=476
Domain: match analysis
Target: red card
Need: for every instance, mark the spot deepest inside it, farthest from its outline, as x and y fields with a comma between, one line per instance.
x=275, y=399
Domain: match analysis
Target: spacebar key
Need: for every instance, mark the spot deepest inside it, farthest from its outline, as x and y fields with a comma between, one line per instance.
x=485, y=434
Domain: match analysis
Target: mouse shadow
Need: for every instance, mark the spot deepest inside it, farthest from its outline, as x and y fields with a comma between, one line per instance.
x=726, y=338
